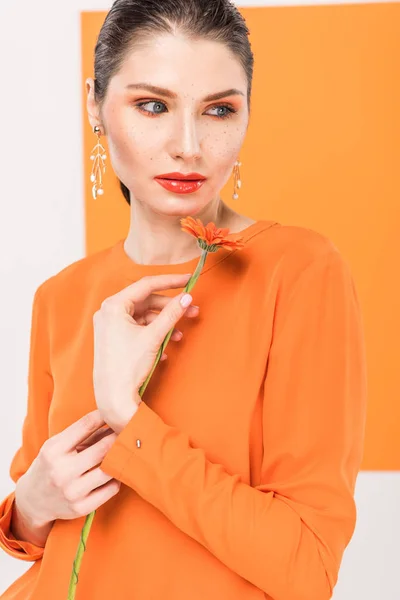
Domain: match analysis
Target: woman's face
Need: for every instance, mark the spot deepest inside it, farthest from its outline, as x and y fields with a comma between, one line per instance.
x=178, y=129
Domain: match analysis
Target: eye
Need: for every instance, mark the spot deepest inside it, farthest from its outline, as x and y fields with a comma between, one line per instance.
x=224, y=107
x=157, y=104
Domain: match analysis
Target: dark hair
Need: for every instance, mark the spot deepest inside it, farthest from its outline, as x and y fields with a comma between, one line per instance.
x=129, y=22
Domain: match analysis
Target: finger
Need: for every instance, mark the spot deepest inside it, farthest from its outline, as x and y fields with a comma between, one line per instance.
x=177, y=334
x=167, y=319
x=150, y=316
x=98, y=497
x=158, y=302
x=142, y=289
x=92, y=456
x=163, y=356
x=88, y=482
x=75, y=434
x=94, y=438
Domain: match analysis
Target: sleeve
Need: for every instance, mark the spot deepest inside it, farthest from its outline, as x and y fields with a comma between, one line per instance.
x=35, y=427
x=287, y=534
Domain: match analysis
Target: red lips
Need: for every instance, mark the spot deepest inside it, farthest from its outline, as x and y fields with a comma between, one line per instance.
x=180, y=183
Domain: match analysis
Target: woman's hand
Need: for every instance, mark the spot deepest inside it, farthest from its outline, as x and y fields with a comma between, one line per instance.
x=65, y=480
x=127, y=337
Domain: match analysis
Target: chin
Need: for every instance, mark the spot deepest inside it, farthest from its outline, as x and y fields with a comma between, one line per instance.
x=184, y=205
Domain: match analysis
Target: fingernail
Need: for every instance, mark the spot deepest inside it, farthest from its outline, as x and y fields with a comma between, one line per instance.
x=186, y=300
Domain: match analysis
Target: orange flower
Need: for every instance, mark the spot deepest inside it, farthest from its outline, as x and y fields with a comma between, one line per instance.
x=211, y=237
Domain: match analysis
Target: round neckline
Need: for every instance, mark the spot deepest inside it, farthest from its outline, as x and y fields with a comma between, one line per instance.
x=130, y=269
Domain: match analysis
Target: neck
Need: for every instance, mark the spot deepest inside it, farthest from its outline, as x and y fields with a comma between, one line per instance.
x=156, y=239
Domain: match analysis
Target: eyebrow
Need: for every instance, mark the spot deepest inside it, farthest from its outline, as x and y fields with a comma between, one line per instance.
x=168, y=94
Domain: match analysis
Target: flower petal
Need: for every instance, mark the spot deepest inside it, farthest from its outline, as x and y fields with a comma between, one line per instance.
x=211, y=234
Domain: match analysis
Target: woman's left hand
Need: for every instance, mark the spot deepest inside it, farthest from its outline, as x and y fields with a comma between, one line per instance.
x=127, y=337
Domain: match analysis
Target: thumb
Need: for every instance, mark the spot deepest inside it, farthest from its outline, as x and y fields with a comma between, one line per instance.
x=169, y=316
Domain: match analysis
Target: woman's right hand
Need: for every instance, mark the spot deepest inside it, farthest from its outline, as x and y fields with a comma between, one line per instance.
x=64, y=481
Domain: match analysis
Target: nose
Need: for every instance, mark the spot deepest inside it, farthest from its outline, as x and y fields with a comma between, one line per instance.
x=185, y=141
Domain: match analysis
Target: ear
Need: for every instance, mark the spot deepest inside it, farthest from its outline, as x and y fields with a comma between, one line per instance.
x=91, y=105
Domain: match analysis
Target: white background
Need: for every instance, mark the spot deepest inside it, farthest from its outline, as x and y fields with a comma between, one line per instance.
x=42, y=231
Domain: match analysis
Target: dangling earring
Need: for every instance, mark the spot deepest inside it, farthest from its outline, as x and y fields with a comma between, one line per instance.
x=237, y=181
x=98, y=156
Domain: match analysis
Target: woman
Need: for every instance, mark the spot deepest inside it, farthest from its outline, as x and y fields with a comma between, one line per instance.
x=239, y=465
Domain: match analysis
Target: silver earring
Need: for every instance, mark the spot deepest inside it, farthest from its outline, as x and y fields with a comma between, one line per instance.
x=237, y=181
x=98, y=157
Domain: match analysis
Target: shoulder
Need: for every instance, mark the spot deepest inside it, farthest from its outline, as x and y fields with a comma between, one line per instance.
x=286, y=252
x=299, y=245
x=296, y=246
x=76, y=279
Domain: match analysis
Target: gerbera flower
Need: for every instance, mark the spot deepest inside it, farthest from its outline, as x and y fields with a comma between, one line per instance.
x=210, y=237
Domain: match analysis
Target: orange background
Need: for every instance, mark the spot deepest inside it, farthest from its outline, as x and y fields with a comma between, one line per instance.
x=322, y=151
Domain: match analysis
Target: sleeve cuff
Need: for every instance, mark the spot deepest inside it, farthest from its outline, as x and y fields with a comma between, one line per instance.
x=15, y=548
x=138, y=439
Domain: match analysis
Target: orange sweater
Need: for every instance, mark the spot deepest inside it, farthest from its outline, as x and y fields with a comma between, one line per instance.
x=252, y=431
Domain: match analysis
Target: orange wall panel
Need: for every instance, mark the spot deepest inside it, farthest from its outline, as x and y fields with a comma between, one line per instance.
x=323, y=152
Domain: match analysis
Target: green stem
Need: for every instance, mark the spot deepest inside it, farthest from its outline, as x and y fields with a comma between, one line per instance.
x=189, y=286
x=89, y=519
x=79, y=555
